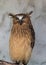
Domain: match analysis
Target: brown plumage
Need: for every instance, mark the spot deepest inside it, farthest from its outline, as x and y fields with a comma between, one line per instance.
x=22, y=38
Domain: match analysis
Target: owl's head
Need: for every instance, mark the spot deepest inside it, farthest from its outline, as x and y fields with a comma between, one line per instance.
x=21, y=18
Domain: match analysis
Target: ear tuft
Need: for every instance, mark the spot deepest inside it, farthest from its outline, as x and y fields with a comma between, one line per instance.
x=10, y=14
x=30, y=12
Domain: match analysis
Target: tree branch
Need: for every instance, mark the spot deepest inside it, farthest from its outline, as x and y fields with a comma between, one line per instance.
x=6, y=63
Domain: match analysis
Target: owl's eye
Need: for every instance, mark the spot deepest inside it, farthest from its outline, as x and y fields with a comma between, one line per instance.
x=24, y=17
x=17, y=18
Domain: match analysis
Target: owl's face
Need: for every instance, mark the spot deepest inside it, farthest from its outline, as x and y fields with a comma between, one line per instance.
x=21, y=19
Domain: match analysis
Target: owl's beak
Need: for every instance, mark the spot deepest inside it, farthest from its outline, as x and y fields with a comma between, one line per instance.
x=20, y=22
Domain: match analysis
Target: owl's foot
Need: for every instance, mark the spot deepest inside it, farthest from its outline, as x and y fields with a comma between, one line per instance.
x=22, y=63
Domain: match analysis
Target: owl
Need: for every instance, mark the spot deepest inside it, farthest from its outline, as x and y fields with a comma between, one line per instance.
x=22, y=38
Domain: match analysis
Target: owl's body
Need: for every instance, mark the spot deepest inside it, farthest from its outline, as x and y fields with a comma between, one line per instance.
x=21, y=42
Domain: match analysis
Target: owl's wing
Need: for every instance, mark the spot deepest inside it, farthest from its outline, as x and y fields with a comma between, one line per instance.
x=33, y=35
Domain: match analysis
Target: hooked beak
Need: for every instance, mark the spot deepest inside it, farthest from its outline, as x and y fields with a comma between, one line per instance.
x=20, y=22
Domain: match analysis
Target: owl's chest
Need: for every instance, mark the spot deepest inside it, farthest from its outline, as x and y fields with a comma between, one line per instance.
x=19, y=41
x=21, y=37
x=20, y=44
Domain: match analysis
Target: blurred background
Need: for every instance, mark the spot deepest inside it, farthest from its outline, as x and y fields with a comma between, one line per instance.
x=39, y=23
